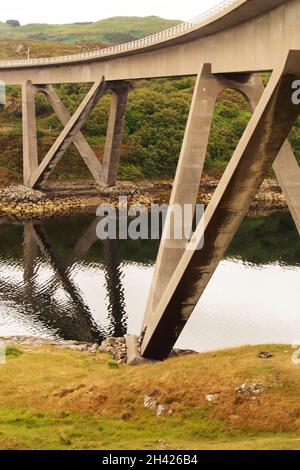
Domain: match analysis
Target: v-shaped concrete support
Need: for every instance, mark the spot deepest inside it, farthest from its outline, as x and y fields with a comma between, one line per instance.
x=254, y=156
x=191, y=162
x=68, y=134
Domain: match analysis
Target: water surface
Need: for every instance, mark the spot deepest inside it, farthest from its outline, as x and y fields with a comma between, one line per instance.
x=57, y=280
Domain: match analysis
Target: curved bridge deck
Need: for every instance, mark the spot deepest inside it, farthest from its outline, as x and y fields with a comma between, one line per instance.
x=246, y=35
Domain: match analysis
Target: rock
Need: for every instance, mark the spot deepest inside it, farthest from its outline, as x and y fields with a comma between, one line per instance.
x=22, y=194
x=265, y=355
x=212, y=397
x=116, y=347
x=249, y=390
x=160, y=409
x=150, y=403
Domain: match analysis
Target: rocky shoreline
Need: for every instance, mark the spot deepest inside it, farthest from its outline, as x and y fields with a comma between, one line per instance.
x=20, y=203
x=117, y=348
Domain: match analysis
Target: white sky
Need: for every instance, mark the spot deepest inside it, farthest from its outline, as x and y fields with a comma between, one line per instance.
x=58, y=11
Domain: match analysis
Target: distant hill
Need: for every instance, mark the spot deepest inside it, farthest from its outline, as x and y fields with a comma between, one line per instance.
x=22, y=49
x=109, y=31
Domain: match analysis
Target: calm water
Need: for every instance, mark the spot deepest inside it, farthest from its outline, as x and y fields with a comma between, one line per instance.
x=58, y=280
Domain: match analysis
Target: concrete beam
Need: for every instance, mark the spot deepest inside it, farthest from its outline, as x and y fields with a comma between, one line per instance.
x=114, y=134
x=66, y=137
x=30, y=149
x=254, y=156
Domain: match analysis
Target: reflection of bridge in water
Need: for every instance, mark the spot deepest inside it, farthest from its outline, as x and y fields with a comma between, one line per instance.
x=74, y=319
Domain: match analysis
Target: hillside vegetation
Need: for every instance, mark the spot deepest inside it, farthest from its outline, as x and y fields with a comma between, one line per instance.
x=14, y=49
x=155, y=120
x=110, y=30
x=55, y=399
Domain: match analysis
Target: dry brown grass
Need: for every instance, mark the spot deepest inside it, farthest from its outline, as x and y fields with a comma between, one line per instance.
x=38, y=377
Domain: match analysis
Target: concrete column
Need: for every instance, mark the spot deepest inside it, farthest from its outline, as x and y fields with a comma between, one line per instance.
x=30, y=150
x=187, y=179
x=114, y=134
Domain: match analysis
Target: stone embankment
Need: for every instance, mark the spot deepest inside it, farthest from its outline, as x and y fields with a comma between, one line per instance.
x=70, y=198
x=22, y=203
x=117, y=348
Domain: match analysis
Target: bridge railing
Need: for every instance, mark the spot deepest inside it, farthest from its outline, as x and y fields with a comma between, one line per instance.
x=137, y=44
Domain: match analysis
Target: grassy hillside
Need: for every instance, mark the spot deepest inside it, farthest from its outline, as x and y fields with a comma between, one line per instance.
x=14, y=49
x=111, y=30
x=55, y=399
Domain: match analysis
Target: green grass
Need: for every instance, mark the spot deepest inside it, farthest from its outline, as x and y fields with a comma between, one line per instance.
x=12, y=351
x=103, y=407
x=20, y=430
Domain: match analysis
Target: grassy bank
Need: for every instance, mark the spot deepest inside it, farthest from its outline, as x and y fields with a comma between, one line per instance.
x=58, y=399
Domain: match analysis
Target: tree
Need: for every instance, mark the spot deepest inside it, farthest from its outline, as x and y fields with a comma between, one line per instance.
x=14, y=23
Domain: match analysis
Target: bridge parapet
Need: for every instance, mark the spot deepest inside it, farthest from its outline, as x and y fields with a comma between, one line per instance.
x=162, y=36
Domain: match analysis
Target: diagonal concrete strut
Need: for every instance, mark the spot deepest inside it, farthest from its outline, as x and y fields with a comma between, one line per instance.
x=191, y=162
x=255, y=154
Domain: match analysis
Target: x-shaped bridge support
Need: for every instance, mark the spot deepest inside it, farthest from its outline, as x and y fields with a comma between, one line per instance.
x=35, y=173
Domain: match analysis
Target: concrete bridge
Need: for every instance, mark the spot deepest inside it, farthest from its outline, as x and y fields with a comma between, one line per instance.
x=225, y=48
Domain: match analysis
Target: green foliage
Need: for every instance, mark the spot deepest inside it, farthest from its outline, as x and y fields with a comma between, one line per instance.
x=156, y=118
x=13, y=352
x=130, y=173
x=112, y=364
